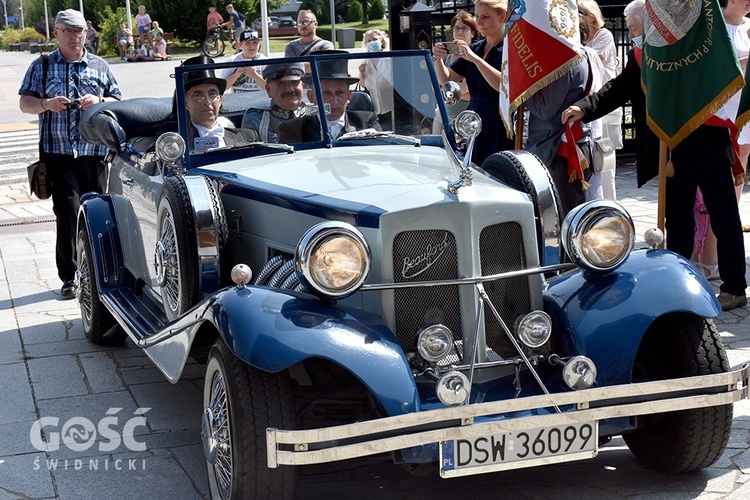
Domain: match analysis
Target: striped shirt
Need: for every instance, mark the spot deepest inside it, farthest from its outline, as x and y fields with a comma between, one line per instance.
x=89, y=75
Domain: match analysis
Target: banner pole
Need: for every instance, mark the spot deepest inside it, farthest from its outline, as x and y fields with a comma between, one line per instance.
x=662, y=196
x=519, y=127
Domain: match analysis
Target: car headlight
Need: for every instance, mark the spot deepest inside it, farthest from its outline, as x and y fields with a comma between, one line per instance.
x=534, y=329
x=170, y=146
x=333, y=259
x=598, y=236
x=434, y=343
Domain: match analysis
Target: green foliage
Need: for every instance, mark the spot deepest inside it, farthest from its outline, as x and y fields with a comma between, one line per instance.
x=377, y=10
x=354, y=13
x=321, y=8
x=109, y=24
x=11, y=35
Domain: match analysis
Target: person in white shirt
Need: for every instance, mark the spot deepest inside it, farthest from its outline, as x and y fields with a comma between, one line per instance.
x=247, y=78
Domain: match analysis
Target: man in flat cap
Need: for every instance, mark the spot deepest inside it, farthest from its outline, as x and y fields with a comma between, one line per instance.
x=75, y=80
x=203, y=100
x=284, y=86
x=334, y=85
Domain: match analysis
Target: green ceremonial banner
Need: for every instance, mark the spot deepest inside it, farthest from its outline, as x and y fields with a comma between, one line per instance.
x=743, y=112
x=689, y=66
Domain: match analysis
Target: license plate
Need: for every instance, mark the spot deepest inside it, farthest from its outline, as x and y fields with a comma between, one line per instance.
x=518, y=449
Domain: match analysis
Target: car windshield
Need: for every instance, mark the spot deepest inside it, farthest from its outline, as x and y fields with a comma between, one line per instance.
x=317, y=101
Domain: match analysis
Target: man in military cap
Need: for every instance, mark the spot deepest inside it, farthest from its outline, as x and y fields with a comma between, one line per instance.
x=284, y=86
x=334, y=85
x=203, y=100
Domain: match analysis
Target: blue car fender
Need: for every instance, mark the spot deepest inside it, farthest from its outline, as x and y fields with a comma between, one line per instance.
x=98, y=215
x=604, y=317
x=273, y=330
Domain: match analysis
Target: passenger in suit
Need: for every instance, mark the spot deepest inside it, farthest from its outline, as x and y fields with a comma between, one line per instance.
x=334, y=85
x=203, y=100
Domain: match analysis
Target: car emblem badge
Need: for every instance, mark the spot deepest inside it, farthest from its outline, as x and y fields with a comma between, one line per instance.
x=414, y=266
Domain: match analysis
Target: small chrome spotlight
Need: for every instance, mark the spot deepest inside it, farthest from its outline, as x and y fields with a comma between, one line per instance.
x=579, y=373
x=453, y=388
x=654, y=237
x=534, y=329
x=241, y=275
x=170, y=146
x=434, y=343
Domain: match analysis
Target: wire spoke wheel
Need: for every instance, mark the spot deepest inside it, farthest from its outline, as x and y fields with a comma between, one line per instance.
x=96, y=319
x=239, y=404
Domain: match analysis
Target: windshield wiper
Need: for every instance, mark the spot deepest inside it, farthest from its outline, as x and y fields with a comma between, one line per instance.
x=371, y=133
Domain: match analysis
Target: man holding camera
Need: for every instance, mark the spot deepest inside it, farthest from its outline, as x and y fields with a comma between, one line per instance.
x=76, y=80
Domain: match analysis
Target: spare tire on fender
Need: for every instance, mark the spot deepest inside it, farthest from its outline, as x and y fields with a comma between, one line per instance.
x=525, y=172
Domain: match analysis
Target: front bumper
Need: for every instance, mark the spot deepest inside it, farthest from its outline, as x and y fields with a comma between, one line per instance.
x=303, y=447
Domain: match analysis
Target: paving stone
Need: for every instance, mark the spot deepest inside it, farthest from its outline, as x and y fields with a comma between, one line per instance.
x=47, y=374
x=101, y=372
x=177, y=406
x=22, y=477
x=17, y=400
x=127, y=483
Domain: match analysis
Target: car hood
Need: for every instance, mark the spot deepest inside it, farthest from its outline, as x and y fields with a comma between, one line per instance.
x=392, y=177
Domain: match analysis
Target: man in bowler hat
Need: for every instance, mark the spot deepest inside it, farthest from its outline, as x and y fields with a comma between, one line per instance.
x=334, y=85
x=203, y=100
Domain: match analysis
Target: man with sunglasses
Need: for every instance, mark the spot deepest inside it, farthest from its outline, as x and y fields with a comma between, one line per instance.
x=75, y=81
x=309, y=41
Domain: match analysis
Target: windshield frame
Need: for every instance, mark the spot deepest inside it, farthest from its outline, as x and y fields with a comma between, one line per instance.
x=198, y=160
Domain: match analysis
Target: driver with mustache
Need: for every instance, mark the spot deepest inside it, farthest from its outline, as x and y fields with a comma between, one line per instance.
x=284, y=86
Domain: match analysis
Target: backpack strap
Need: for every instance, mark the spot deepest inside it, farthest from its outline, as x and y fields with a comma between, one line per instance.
x=45, y=121
x=309, y=47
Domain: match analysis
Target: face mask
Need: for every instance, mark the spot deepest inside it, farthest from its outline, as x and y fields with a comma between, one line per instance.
x=373, y=46
x=638, y=41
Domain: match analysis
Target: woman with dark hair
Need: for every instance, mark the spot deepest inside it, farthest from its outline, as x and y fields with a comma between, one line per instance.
x=479, y=63
x=463, y=27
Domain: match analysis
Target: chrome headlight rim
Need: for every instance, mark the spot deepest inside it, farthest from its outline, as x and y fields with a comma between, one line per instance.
x=311, y=242
x=170, y=146
x=426, y=341
x=525, y=329
x=585, y=217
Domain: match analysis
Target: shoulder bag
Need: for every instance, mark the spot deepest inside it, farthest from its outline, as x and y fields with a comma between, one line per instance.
x=39, y=183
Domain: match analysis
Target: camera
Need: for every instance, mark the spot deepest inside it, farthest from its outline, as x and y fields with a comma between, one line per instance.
x=451, y=47
x=74, y=105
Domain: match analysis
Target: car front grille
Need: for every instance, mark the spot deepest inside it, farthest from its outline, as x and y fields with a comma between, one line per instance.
x=428, y=255
x=424, y=256
x=501, y=250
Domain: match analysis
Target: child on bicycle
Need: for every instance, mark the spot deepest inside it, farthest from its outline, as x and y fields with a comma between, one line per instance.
x=214, y=19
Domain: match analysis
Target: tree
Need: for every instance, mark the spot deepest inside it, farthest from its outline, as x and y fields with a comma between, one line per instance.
x=355, y=11
x=377, y=10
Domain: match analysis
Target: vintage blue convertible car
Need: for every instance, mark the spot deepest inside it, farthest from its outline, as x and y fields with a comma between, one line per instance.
x=401, y=301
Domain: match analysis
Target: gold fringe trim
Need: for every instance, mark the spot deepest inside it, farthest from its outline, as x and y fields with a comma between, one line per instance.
x=742, y=120
x=740, y=180
x=699, y=118
x=526, y=94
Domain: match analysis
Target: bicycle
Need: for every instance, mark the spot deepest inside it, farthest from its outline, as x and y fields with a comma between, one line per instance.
x=215, y=42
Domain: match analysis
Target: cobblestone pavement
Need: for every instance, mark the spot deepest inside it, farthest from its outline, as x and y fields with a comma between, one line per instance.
x=48, y=369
